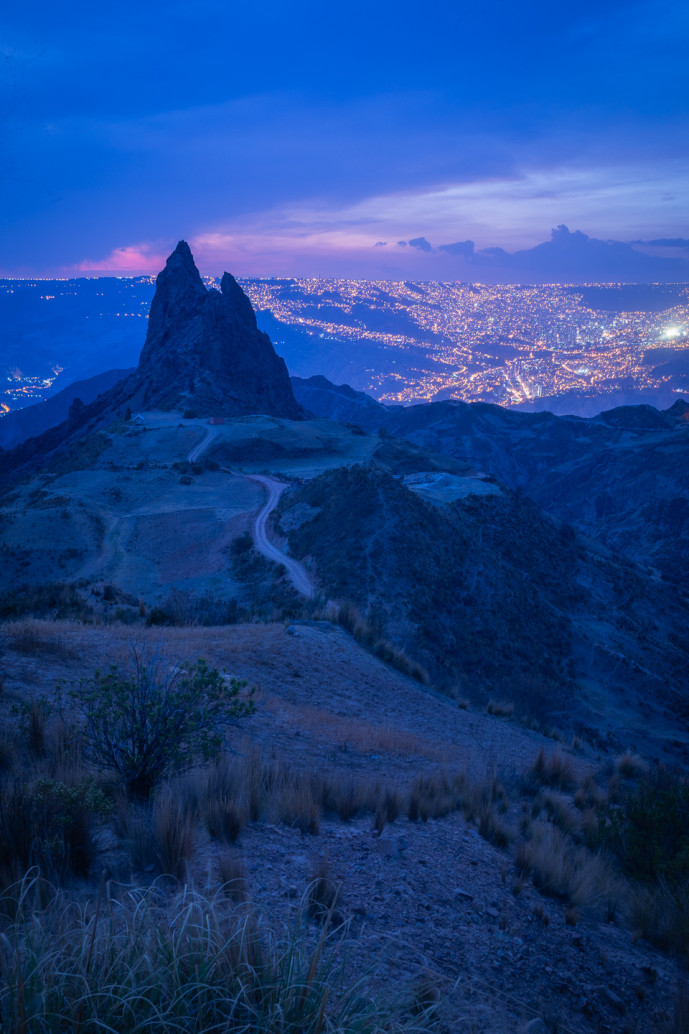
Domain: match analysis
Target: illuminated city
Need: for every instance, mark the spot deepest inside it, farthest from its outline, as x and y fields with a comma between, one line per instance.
x=400, y=341
x=505, y=344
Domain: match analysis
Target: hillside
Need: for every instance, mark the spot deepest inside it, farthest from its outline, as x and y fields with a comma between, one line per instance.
x=145, y=505
x=459, y=860
x=31, y=421
x=496, y=599
x=621, y=477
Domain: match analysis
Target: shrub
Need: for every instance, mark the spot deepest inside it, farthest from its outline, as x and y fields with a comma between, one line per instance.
x=500, y=708
x=181, y=608
x=48, y=824
x=630, y=765
x=52, y=599
x=648, y=829
x=154, y=721
x=661, y=915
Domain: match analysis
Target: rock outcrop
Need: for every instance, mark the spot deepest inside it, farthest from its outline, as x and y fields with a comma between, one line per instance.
x=204, y=351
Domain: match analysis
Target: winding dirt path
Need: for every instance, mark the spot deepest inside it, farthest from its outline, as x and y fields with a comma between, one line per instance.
x=202, y=446
x=296, y=571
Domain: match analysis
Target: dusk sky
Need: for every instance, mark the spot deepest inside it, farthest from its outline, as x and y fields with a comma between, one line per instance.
x=314, y=140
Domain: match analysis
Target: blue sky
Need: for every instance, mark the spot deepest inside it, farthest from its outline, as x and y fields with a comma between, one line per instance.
x=294, y=138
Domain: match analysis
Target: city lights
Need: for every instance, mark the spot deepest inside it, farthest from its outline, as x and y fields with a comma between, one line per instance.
x=480, y=343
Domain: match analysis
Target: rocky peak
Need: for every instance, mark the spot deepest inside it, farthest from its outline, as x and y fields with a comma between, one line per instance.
x=178, y=300
x=236, y=302
x=203, y=350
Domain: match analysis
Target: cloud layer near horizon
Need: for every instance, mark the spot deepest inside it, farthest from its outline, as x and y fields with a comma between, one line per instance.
x=568, y=257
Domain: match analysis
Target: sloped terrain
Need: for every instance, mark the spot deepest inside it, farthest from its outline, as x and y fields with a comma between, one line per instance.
x=492, y=597
x=432, y=824
x=634, y=498
x=437, y=907
x=622, y=477
x=126, y=507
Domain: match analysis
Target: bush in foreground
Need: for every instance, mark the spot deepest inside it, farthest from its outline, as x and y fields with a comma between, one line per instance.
x=155, y=720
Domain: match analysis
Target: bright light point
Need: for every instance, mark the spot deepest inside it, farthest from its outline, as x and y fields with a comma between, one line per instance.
x=673, y=331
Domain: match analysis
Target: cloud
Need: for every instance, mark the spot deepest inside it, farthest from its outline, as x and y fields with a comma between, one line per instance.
x=573, y=256
x=380, y=244
x=131, y=258
x=509, y=211
x=293, y=250
x=667, y=242
x=464, y=248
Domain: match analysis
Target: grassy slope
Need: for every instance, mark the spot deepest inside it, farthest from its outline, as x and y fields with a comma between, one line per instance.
x=487, y=592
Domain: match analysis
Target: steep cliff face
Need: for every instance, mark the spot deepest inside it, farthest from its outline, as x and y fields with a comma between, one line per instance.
x=203, y=349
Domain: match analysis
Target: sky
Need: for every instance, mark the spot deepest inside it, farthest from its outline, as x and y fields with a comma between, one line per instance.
x=447, y=140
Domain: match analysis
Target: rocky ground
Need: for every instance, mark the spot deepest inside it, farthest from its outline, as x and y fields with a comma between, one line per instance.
x=431, y=908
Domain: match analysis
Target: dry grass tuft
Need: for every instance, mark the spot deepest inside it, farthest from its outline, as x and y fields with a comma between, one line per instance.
x=174, y=830
x=560, y=810
x=571, y=915
x=500, y=708
x=186, y=963
x=224, y=817
x=368, y=634
x=295, y=800
x=356, y=733
x=492, y=829
x=232, y=876
x=559, y=868
x=590, y=795
x=554, y=770
x=431, y=797
x=323, y=894
x=32, y=637
x=630, y=766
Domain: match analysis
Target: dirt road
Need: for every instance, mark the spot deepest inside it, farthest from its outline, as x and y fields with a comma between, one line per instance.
x=202, y=446
x=296, y=571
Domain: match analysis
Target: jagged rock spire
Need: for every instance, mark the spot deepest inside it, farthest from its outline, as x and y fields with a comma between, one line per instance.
x=204, y=351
